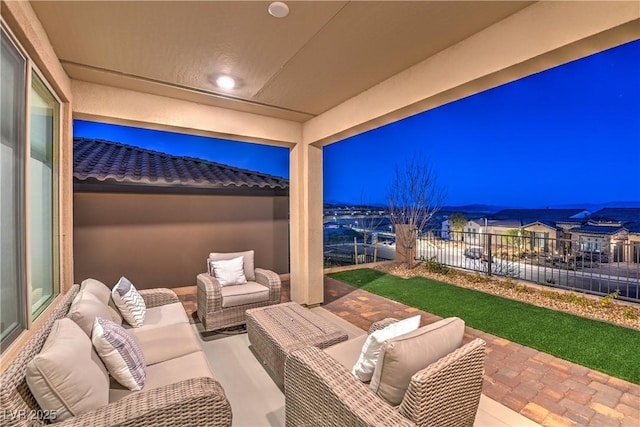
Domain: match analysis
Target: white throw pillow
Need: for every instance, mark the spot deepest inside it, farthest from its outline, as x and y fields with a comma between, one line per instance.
x=229, y=272
x=120, y=353
x=129, y=301
x=366, y=364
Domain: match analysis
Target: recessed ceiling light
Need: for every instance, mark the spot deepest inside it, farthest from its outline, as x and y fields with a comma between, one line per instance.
x=278, y=9
x=225, y=82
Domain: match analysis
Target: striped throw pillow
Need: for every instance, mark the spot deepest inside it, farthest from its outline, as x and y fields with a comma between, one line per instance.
x=120, y=353
x=129, y=302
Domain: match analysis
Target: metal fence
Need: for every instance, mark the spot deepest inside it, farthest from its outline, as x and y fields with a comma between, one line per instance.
x=560, y=263
x=356, y=253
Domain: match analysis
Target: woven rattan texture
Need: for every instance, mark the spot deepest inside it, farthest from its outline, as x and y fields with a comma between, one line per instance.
x=210, y=311
x=158, y=297
x=194, y=402
x=321, y=392
x=278, y=330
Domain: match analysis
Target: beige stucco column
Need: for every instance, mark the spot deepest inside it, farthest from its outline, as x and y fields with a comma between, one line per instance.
x=305, y=201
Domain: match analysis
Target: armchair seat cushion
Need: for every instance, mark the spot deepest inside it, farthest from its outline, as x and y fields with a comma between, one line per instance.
x=347, y=352
x=248, y=293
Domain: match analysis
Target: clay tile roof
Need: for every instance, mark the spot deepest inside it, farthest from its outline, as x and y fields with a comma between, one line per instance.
x=112, y=161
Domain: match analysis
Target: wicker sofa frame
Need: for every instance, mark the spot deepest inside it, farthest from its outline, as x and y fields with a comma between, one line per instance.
x=198, y=401
x=210, y=311
x=321, y=392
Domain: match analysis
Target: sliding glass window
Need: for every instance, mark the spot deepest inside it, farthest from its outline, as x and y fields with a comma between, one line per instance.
x=29, y=230
x=42, y=195
x=12, y=266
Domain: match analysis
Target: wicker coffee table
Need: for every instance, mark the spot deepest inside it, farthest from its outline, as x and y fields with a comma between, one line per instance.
x=277, y=330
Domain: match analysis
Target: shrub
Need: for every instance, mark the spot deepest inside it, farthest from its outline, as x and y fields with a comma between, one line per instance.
x=607, y=300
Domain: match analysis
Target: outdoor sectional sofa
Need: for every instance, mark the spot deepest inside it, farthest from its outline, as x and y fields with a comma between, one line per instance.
x=180, y=387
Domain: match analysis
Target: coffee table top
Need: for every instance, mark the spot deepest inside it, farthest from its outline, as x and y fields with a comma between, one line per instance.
x=290, y=324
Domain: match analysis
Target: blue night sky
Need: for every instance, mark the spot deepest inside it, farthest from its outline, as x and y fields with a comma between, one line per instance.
x=244, y=155
x=569, y=135
x=564, y=136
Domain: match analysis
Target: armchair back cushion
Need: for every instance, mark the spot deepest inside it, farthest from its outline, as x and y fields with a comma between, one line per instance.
x=67, y=376
x=369, y=357
x=249, y=266
x=401, y=357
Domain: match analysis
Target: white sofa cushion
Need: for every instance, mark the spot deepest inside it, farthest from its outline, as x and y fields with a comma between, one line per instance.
x=120, y=353
x=193, y=365
x=67, y=376
x=129, y=302
x=364, y=367
x=403, y=356
x=165, y=343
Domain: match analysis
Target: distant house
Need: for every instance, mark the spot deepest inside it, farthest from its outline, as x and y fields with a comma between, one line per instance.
x=615, y=231
x=445, y=231
x=154, y=217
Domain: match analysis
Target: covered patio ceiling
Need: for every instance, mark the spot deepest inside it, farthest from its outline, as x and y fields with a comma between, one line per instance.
x=325, y=72
x=294, y=68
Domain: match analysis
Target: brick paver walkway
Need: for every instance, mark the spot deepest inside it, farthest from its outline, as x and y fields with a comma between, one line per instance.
x=548, y=390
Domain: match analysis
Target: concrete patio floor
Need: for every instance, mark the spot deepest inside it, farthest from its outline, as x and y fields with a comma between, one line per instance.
x=541, y=387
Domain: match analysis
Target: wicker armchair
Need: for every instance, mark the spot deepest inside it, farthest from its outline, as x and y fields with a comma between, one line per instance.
x=319, y=391
x=222, y=307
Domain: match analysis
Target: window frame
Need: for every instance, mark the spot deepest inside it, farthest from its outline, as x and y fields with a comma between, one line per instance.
x=27, y=317
x=55, y=194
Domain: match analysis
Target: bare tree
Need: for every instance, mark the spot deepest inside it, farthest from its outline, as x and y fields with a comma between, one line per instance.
x=414, y=197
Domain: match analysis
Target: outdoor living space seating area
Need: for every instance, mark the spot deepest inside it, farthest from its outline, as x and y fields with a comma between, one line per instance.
x=522, y=386
x=268, y=372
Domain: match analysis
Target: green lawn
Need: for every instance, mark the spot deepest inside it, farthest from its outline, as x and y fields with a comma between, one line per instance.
x=601, y=346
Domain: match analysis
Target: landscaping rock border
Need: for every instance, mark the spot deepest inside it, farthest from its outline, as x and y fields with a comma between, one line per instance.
x=605, y=308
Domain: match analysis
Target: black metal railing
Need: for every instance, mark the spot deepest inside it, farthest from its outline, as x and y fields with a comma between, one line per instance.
x=563, y=263
x=350, y=253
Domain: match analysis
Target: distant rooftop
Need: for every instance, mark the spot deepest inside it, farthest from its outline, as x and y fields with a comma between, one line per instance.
x=107, y=162
x=598, y=229
x=617, y=214
x=527, y=216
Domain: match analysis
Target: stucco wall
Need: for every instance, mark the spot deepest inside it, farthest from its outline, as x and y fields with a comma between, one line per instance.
x=164, y=239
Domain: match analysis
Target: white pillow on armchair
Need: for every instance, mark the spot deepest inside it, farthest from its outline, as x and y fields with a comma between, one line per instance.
x=229, y=272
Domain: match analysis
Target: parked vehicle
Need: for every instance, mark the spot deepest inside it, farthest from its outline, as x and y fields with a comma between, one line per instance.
x=474, y=252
